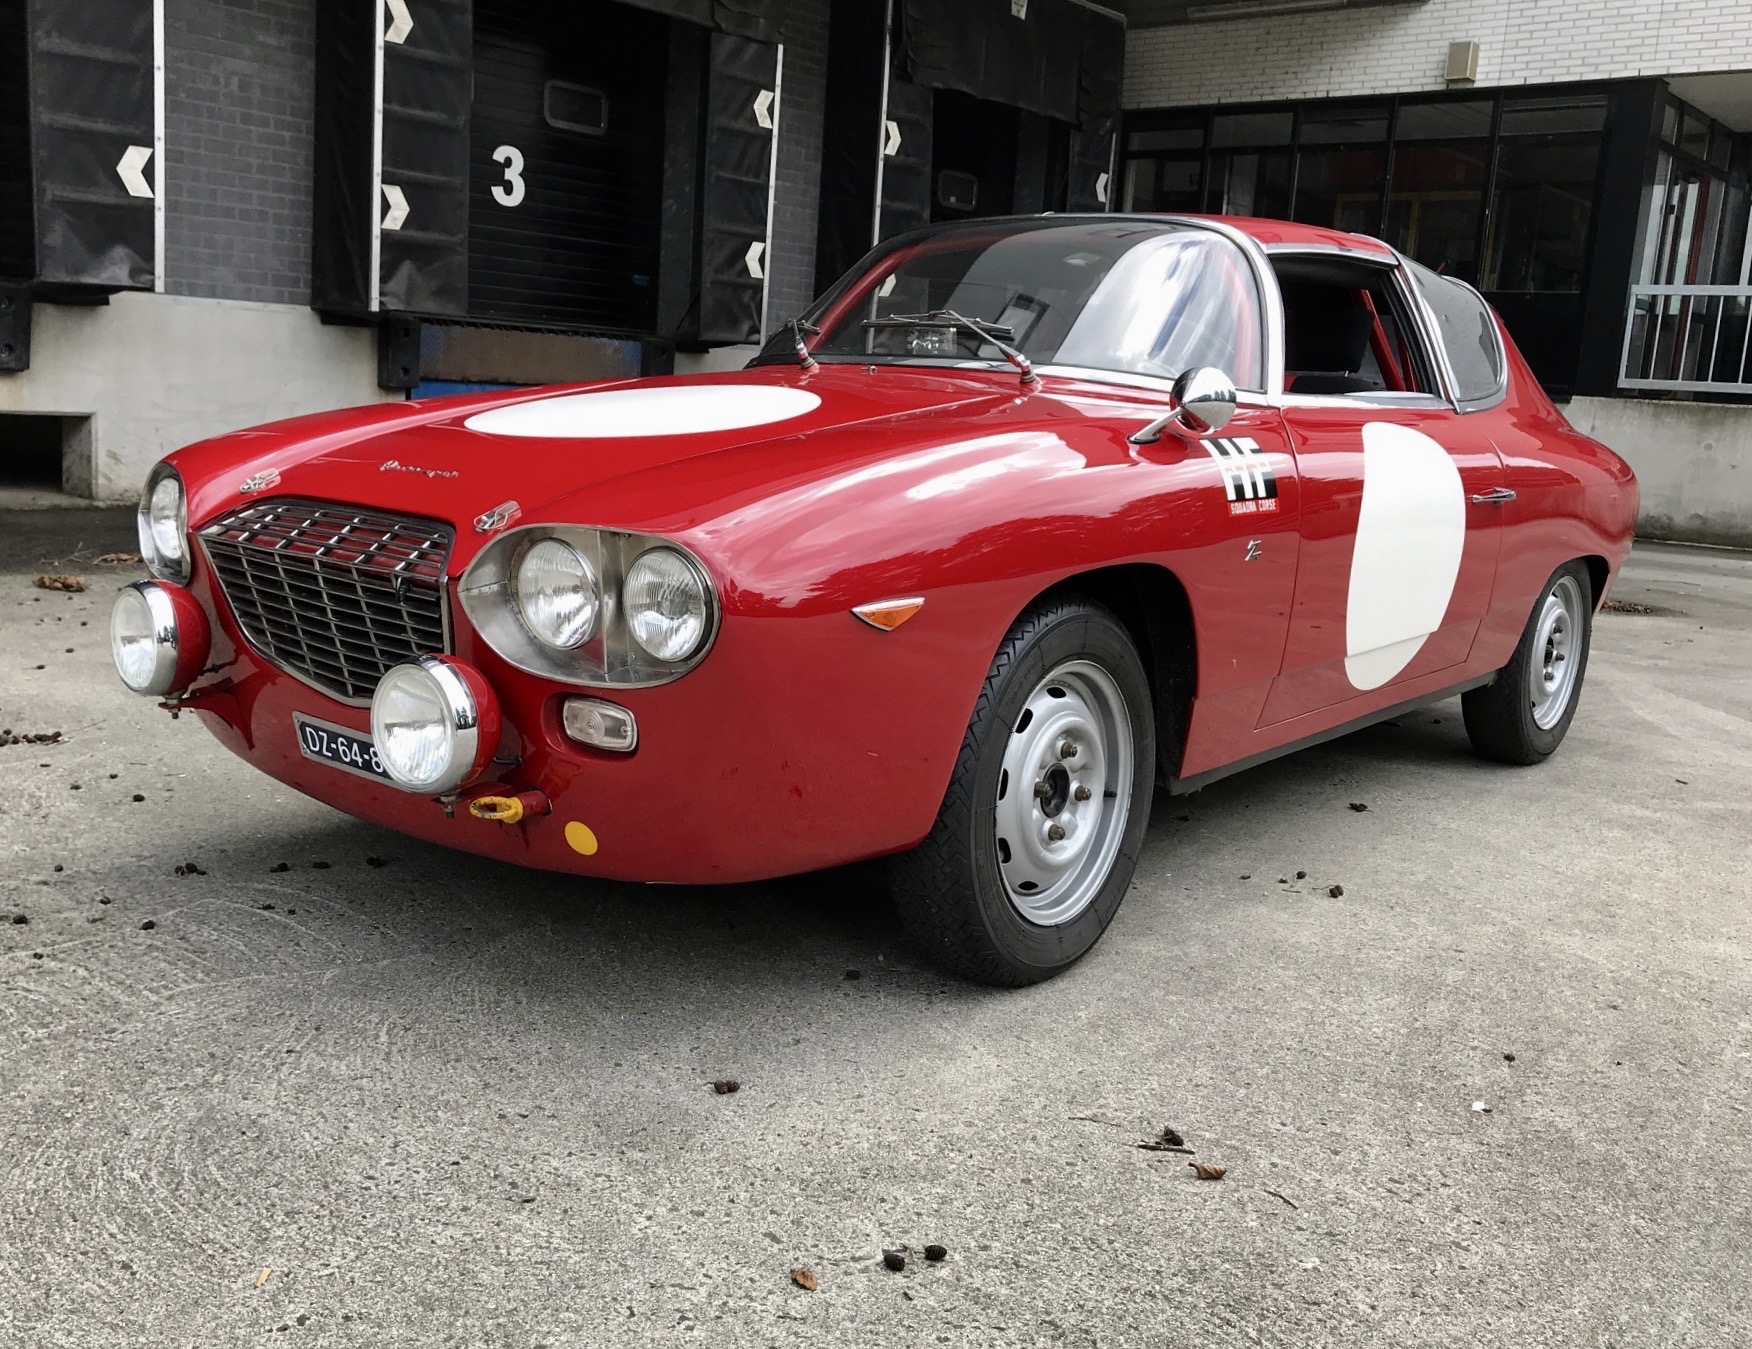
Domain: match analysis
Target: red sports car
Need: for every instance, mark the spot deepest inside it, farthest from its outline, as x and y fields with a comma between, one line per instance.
x=1024, y=520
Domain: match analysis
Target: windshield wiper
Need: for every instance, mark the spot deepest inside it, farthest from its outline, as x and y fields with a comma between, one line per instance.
x=995, y=333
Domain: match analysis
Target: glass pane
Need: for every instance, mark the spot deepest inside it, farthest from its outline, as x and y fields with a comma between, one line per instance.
x=1176, y=138
x=1721, y=149
x=1248, y=183
x=1166, y=184
x=1694, y=137
x=1539, y=216
x=1251, y=128
x=1155, y=300
x=1354, y=126
x=1443, y=121
x=1341, y=189
x=1468, y=332
x=1433, y=214
x=1670, y=123
x=1550, y=116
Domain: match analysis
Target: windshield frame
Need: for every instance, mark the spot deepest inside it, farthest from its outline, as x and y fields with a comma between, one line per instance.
x=852, y=287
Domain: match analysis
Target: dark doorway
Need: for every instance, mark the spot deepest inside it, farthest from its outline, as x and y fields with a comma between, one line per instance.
x=31, y=450
x=973, y=156
x=566, y=164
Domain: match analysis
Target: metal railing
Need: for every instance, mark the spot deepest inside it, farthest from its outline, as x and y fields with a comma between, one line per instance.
x=1697, y=339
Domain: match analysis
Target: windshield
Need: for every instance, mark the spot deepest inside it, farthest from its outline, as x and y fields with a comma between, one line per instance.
x=1140, y=297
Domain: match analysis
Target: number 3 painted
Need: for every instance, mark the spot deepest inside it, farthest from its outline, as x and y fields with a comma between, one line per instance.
x=511, y=191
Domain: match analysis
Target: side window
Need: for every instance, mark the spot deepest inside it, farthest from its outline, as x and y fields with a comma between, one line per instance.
x=1172, y=303
x=1347, y=330
x=1468, y=332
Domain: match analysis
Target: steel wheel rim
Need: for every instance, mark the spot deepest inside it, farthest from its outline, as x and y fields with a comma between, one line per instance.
x=1556, y=653
x=1061, y=816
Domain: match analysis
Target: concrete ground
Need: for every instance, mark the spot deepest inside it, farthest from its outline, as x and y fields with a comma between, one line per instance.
x=396, y=1096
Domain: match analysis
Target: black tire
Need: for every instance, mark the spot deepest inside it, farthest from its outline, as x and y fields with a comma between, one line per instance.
x=1503, y=718
x=951, y=891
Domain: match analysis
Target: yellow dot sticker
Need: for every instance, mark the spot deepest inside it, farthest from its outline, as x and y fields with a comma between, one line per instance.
x=581, y=838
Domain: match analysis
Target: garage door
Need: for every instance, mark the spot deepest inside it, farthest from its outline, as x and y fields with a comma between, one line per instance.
x=566, y=163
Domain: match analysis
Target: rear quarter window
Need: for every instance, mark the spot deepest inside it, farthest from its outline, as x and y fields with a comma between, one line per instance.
x=1468, y=332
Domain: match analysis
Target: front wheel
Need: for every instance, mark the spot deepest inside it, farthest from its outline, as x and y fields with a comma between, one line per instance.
x=1523, y=716
x=1039, y=832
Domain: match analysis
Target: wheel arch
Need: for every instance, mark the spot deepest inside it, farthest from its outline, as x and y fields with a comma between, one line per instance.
x=1153, y=605
x=1599, y=572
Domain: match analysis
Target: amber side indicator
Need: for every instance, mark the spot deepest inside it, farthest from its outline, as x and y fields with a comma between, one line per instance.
x=889, y=614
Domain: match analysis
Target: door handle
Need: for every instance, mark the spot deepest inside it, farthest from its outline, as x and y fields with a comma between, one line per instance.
x=1496, y=496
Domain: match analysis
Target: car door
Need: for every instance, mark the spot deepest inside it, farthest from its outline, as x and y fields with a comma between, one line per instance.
x=1400, y=530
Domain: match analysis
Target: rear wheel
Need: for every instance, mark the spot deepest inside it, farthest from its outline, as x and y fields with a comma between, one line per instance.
x=1038, y=836
x=1524, y=715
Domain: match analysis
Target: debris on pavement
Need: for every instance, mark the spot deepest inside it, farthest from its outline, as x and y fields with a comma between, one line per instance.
x=71, y=584
x=1480, y=1108
x=1335, y=891
x=119, y=560
x=726, y=1086
x=936, y=1252
x=280, y=866
x=1208, y=1170
x=1169, y=1140
x=20, y=919
x=7, y=737
x=1277, y=1195
x=1359, y=806
x=148, y=925
x=1508, y=1058
x=854, y=974
x=893, y=1260
x=805, y=1280
x=264, y=1274
x=189, y=869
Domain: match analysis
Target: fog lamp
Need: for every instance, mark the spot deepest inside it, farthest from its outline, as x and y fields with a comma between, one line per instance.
x=435, y=723
x=158, y=638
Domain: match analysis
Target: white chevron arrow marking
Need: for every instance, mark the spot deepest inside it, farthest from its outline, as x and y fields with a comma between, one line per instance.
x=131, y=170
x=763, y=109
x=397, y=215
x=755, y=252
x=1101, y=188
x=401, y=22
x=893, y=146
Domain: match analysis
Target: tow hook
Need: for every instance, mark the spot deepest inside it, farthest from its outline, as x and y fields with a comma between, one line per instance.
x=510, y=809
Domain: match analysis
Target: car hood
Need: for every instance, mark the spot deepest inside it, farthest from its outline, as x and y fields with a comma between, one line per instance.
x=459, y=459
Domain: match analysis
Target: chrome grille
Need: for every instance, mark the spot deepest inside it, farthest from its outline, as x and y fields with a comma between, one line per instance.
x=332, y=595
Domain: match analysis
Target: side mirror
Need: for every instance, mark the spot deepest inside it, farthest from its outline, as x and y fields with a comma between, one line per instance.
x=1204, y=401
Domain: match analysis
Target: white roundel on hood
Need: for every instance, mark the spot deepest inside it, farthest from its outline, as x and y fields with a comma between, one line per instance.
x=1411, y=533
x=615, y=414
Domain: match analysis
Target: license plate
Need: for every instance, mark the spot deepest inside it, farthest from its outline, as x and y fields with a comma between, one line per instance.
x=340, y=747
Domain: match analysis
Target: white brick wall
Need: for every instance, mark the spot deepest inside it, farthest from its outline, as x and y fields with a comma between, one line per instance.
x=1404, y=50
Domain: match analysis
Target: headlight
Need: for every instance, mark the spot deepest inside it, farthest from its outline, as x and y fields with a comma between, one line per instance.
x=435, y=724
x=558, y=594
x=158, y=637
x=665, y=604
x=600, y=608
x=164, y=525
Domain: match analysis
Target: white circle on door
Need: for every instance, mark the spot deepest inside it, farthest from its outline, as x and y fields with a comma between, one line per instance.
x=1411, y=533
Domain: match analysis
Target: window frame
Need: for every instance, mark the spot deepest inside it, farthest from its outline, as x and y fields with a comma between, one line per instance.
x=1423, y=334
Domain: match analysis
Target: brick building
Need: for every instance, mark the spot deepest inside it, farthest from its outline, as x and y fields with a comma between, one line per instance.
x=1584, y=162
x=329, y=202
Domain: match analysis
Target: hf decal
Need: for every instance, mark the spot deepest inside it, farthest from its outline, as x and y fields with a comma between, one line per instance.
x=1248, y=481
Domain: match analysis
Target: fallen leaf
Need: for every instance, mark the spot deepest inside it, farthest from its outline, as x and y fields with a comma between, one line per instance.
x=118, y=560
x=71, y=584
x=266, y=1273
x=726, y=1086
x=805, y=1280
x=1208, y=1170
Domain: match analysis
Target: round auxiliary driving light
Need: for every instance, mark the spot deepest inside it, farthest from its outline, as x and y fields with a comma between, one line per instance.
x=435, y=723
x=158, y=638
